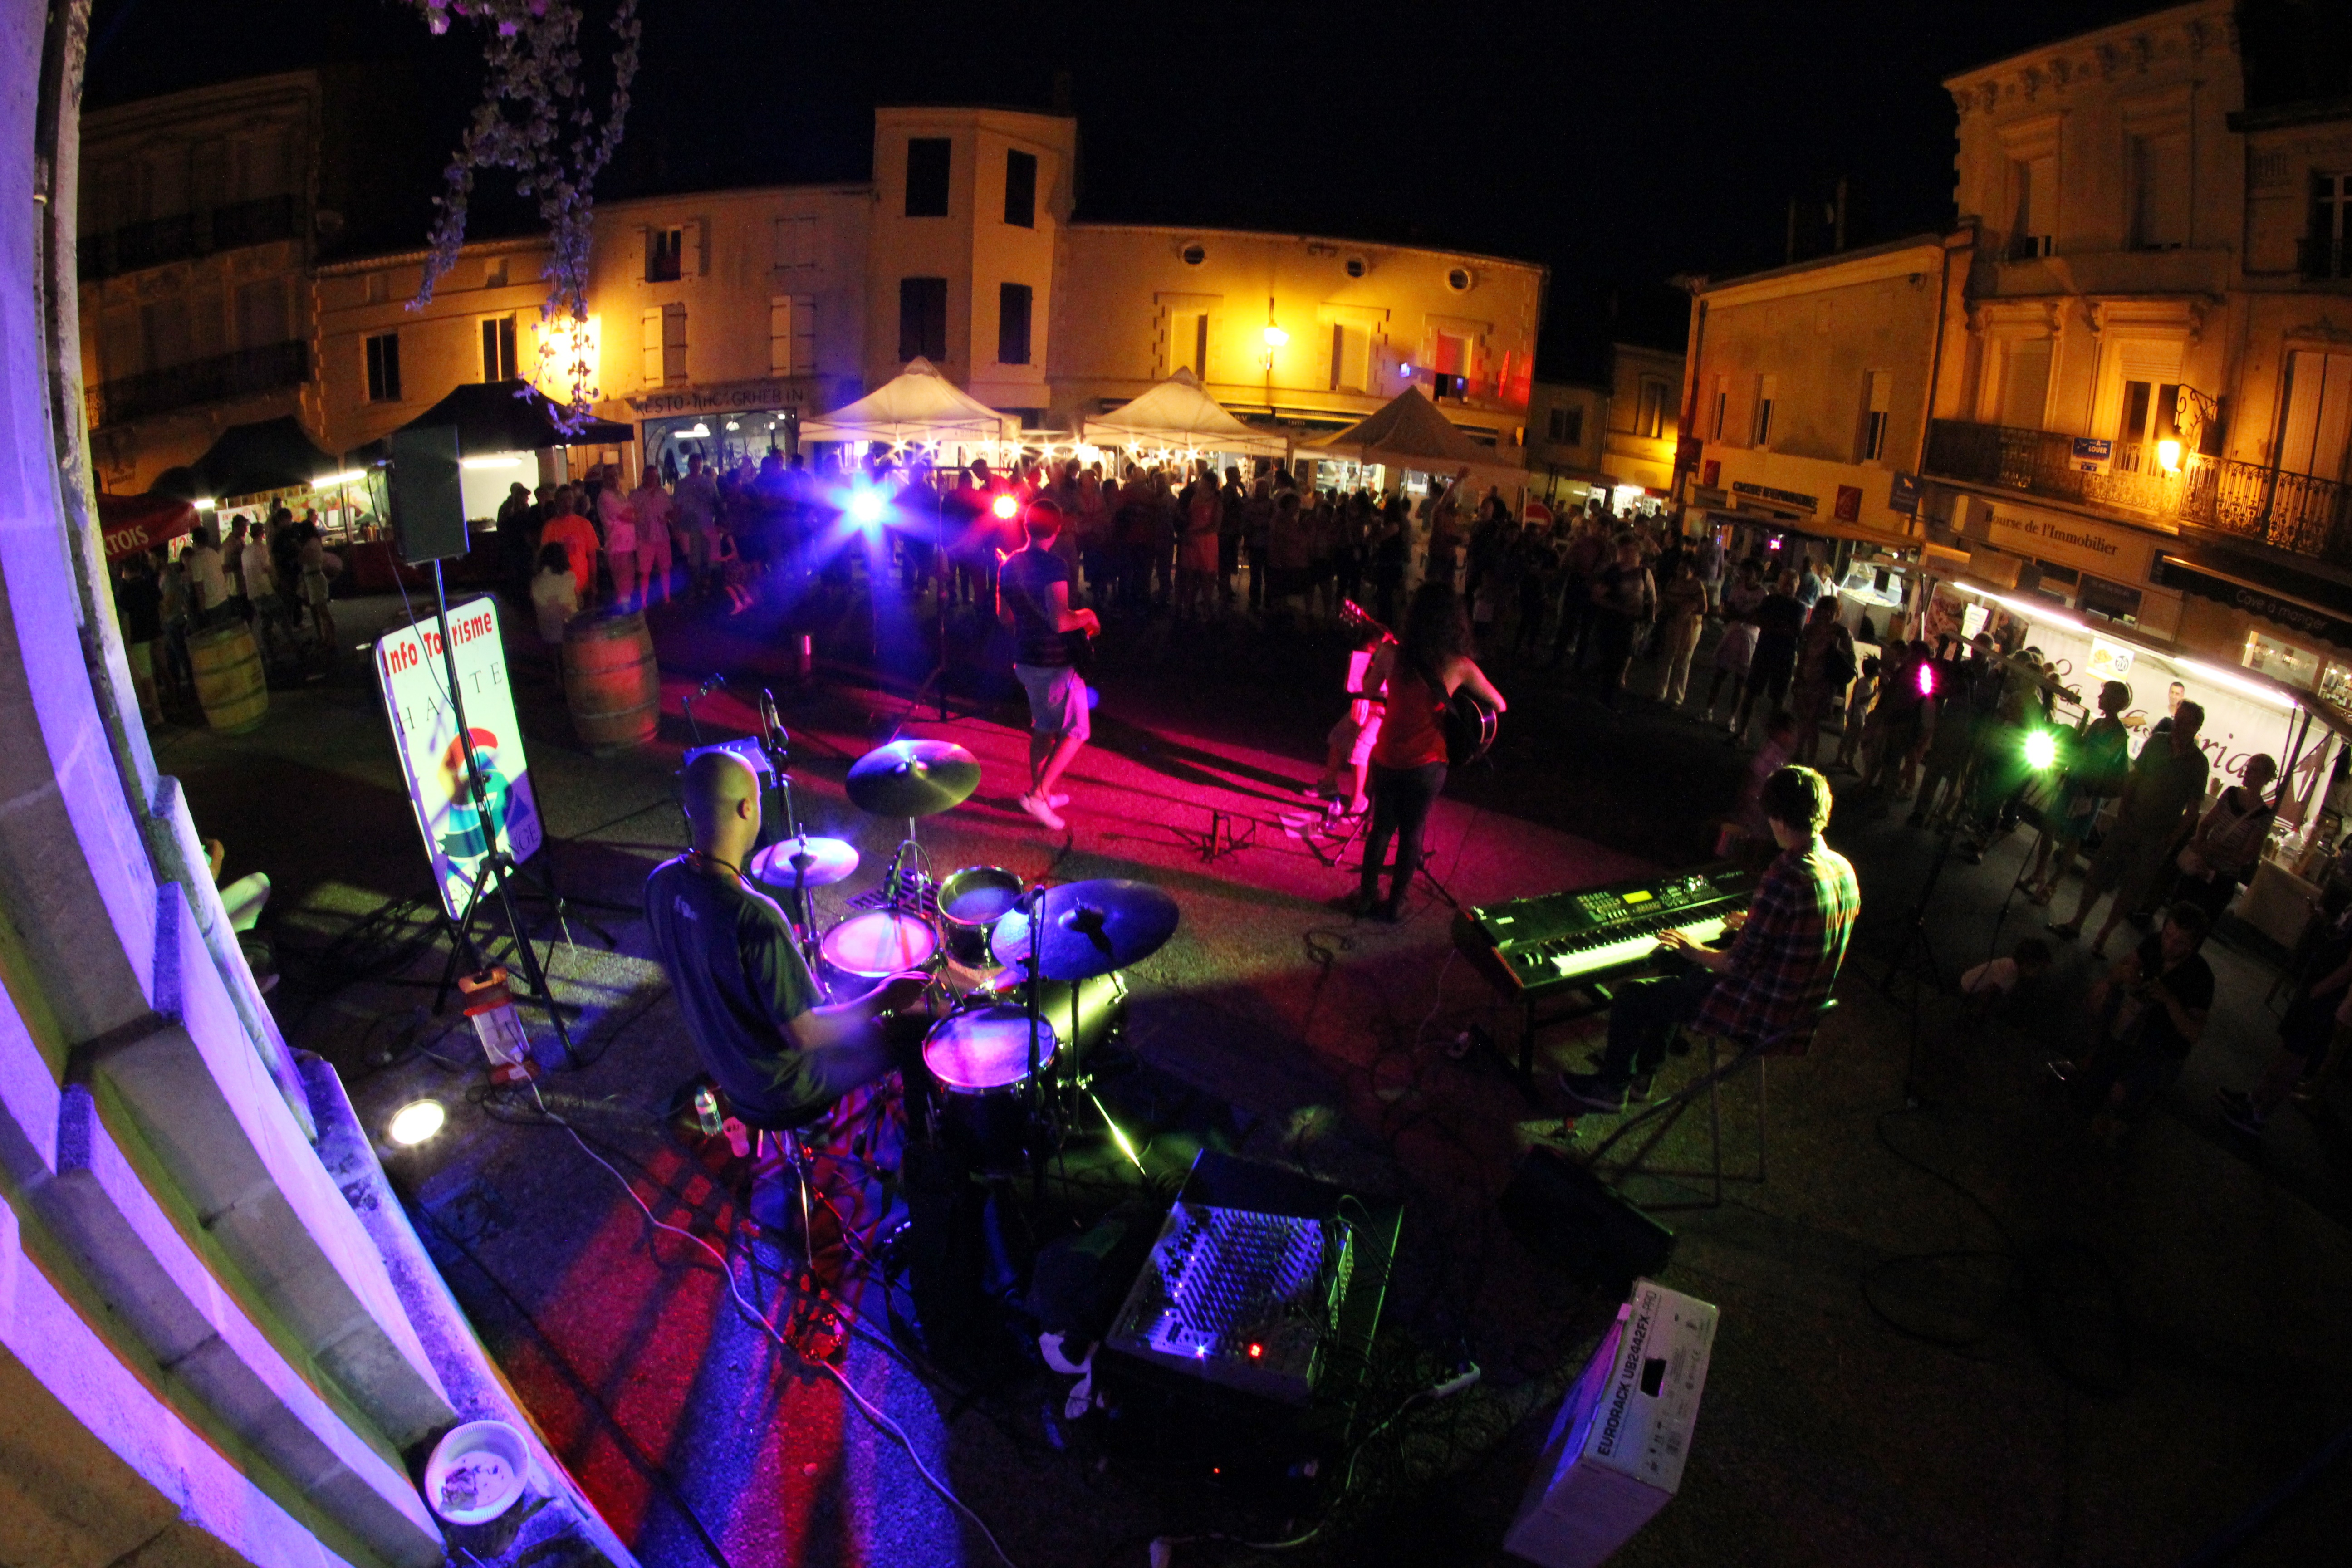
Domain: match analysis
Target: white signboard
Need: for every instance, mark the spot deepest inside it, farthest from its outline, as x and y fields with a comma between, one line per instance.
x=2110, y=660
x=414, y=679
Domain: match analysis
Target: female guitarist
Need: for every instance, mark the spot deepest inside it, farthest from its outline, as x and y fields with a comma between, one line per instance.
x=1422, y=670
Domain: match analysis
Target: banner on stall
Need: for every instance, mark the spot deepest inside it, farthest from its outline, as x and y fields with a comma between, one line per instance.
x=2110, y=660
x=414, y=680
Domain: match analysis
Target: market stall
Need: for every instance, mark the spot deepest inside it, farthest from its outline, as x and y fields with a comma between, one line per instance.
x=1410, y=434
x=131, y=524
x=1178, y=420
x=2246, y=713
x=250, y=469
x=920, y=407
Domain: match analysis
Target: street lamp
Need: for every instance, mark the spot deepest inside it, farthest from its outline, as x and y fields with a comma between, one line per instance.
x=1275, y=336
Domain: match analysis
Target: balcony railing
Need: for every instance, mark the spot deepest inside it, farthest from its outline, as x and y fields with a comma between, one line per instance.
x=214, y=379
x=2297, y=512
x=185, y=235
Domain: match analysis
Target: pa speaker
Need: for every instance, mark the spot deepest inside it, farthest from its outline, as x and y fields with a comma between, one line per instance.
x=428, y=514
x=1564, y=1214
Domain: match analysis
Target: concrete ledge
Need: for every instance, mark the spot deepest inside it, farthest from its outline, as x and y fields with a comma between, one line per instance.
x=154, y=1281
x=178, y=851
x=475, y=1386
x=95, y=1471
x=204, y=1103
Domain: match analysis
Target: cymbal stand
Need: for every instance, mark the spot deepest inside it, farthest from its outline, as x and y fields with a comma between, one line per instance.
x=1033, y=1004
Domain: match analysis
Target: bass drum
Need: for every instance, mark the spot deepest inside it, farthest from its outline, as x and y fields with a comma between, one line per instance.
x=1101, y=1007
x=979, y=1059
x=861, y=952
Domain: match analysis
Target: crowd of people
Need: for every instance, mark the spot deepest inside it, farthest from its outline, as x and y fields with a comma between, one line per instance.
x=273, y=575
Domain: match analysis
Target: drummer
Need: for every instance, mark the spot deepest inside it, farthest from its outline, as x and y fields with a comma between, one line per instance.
x=750, y=1002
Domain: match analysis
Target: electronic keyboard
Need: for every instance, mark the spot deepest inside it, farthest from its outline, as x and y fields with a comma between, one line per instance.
x=1533, y=948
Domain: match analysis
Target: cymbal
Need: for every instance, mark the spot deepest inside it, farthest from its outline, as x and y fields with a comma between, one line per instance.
x=913, y=778
x=814, y=862
x=1091, y=929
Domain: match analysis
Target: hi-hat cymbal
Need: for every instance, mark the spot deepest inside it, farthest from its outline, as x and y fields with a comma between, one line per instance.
x=1090, y=928
x=913, y=778
x=809, y=862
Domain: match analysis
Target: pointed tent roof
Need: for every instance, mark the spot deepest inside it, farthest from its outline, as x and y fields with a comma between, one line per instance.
x=1410, y=431
x=918, y=404
x=1177, y=413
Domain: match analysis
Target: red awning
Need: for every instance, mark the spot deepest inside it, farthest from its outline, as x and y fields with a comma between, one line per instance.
x=133, y=523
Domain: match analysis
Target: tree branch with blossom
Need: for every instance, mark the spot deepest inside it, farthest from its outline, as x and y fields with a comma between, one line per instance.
x=537, y=117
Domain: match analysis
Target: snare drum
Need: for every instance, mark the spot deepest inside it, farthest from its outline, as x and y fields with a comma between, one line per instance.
x=867, y=948
x=980, y=1059
x=971, y=903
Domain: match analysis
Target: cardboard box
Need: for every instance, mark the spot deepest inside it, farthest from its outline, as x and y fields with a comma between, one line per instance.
x=1616, y=1450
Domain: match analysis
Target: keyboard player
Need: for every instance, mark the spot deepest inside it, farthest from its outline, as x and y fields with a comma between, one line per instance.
x=1778, y=969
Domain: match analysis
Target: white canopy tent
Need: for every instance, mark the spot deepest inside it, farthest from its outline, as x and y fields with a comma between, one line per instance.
x=1178, y=415
x=1409, y=432
x=918, y=404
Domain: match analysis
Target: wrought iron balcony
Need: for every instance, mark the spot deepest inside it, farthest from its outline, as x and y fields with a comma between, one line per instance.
x=214, y=379
x=183, y=235
x=2297, y=512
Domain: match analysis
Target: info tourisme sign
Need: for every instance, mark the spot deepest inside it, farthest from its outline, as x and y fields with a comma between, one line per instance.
x=414, y=679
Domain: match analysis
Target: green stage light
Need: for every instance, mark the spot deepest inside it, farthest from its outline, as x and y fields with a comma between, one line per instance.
x=2040, y=749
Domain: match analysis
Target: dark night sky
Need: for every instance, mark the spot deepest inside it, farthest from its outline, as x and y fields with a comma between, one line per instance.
x=1617, y=144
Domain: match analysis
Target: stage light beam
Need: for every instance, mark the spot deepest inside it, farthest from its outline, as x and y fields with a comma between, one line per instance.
x=867, y=508
x=1007, y=507
x=2041, y=749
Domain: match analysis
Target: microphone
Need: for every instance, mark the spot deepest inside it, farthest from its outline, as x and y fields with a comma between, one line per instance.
x=771, y=725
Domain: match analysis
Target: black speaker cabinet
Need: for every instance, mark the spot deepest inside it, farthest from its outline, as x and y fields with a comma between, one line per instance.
x=428, y=515
x=1566, y=1216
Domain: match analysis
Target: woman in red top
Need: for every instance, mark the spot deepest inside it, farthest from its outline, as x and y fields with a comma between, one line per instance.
x=1421, y=671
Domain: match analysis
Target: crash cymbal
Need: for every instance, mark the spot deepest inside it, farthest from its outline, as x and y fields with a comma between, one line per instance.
x=1091, y=929
x=913, y=778
x=810, y=862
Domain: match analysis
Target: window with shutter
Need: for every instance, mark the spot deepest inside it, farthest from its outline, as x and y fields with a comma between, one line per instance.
x=1021, y=188
x=674, y=345
x=650, y=342
x=1012, y=324
x=2160, y=190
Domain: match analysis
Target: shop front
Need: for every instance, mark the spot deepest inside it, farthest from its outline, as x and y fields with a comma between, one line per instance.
x=729, y=422
x=2249, y=711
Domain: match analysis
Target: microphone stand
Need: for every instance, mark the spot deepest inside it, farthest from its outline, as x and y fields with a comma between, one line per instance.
x=1033, y=1004
x=775, y=745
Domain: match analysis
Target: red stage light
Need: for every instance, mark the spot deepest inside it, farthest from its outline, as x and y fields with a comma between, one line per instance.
x=1006, y=507
x=1927, y=680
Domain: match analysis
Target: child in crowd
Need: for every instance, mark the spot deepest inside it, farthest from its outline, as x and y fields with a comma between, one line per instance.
x=554, y=594
x=1348, y=748
x=1732, y=656
x=1999, y=978
x=1858, y=698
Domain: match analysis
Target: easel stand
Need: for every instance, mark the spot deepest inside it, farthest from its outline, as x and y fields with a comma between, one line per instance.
x=497, y=866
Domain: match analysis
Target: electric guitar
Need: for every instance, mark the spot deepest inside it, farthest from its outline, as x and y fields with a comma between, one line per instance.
x=1469, y=725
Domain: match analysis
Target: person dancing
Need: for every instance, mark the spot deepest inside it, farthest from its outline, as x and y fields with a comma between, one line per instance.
x=1421, y=671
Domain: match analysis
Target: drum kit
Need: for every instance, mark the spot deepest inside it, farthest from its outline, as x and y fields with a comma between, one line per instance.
x=1030, y=975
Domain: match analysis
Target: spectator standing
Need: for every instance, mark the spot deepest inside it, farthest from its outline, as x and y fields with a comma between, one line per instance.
x=2098, y=761
x=171, y=582
x=1257, y=534
x=516, y=543
x=2167, y=781
x=696, y=508
x=577, y=536
x=2228, y=843
x=1682, y=605
x=1708, y=559
x=207, y=578
x=1201, y=514
x=316, y=569
x=1232, y=501
x=554, y=592
x=1733, y=655
x=2311, y=1035
x=1824, y=666
x=139, y=613
x=654, y=514
x=1625, y=600
x=1780, y=622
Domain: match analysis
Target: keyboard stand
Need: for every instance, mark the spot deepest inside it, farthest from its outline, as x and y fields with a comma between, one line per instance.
x=1582, y=1002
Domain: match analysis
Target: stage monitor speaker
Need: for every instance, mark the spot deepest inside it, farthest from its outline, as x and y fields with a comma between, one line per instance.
x=1565, y=1216
x=428, y=514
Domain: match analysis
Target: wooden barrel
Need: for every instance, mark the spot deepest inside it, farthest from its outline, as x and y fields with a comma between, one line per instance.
x=229, y=680
x=610, y=682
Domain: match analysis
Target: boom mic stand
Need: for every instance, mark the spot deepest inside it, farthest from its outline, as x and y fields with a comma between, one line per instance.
x=1914, y=937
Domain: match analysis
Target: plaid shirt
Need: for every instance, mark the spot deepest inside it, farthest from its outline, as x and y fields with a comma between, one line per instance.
x=1786, y=957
